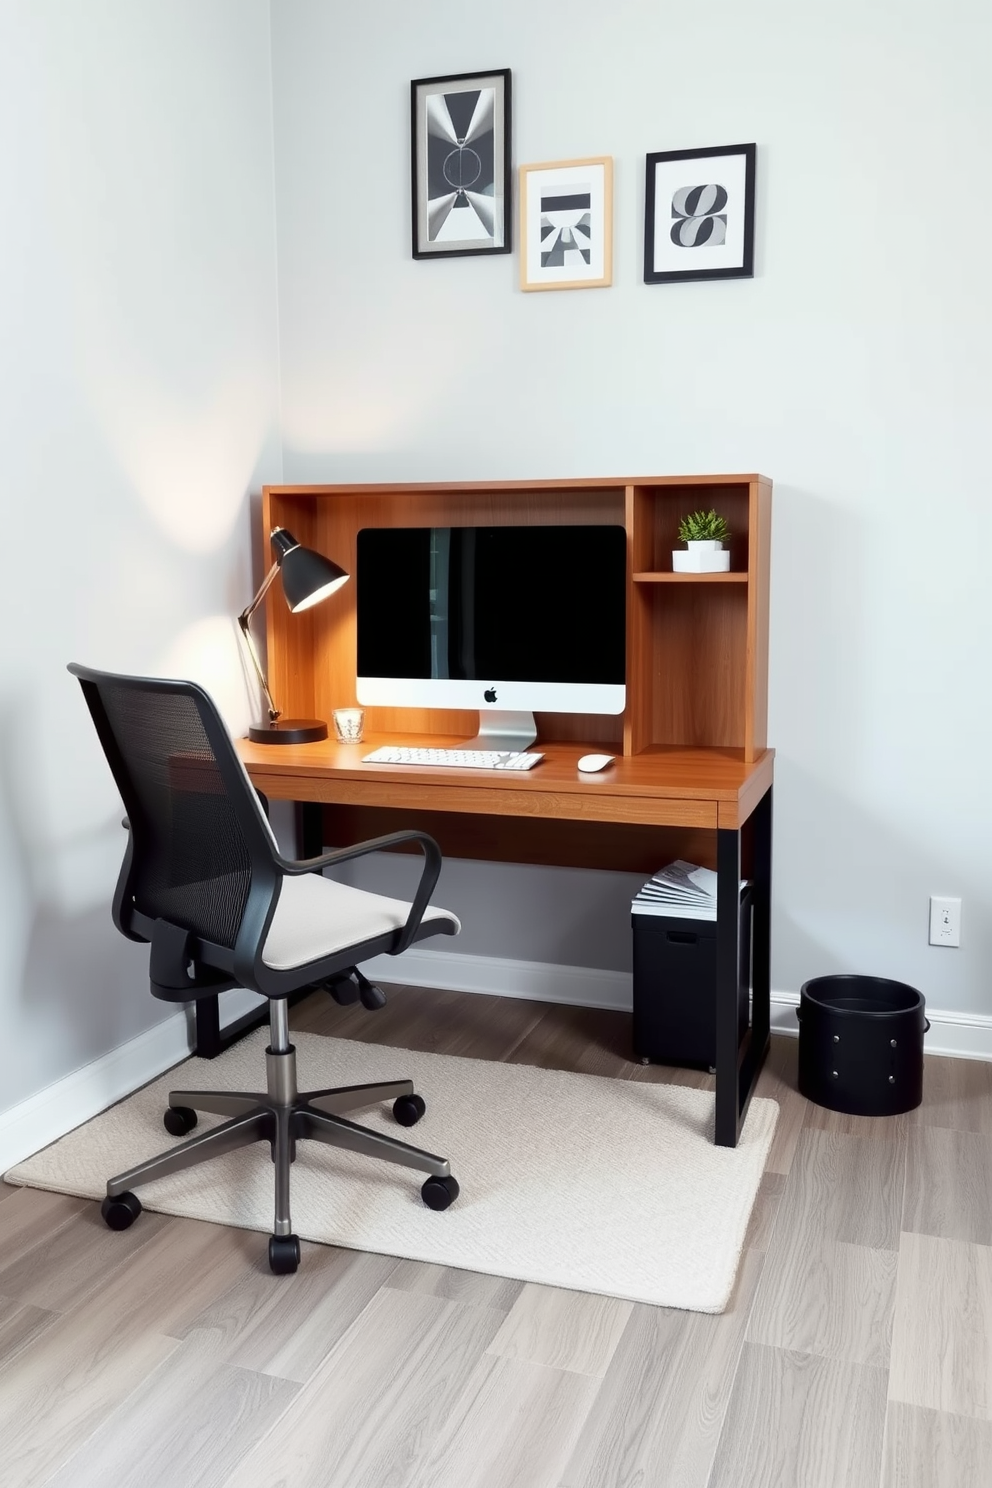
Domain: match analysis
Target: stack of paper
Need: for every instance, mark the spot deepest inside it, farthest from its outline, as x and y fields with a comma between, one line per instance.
x=681, y=889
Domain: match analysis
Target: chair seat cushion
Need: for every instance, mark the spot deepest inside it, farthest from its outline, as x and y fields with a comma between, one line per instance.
x=317, y=917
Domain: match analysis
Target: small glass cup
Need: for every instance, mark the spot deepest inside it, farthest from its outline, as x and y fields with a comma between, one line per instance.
x=348, y=724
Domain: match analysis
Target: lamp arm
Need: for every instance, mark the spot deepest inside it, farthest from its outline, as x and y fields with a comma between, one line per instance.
x=244, y=620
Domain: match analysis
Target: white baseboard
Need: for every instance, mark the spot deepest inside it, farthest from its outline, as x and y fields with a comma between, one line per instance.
x=533, y=981
x=783, y=1013
x=959, y=1035
x=45, y=1117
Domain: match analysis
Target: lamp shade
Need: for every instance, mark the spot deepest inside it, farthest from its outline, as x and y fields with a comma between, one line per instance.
x=307, y=577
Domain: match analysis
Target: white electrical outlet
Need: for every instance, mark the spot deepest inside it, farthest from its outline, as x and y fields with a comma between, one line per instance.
x=945, y=921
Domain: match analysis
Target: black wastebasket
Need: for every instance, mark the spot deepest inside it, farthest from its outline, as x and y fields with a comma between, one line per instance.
x=861, y=1044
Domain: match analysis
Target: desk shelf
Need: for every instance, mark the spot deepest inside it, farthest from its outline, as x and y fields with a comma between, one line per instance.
x=697, y=644
x=690, y=578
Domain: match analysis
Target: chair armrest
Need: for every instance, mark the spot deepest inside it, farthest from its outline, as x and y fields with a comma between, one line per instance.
x=296, y=866
x=425, y=888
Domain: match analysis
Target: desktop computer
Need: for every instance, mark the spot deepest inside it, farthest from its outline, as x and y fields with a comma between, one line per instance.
x=510, y=620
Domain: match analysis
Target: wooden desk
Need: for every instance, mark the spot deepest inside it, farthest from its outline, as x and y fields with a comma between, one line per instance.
x=693, y=775
x=710, y=792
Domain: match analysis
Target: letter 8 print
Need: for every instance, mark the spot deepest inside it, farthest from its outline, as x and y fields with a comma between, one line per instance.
x=699, y=218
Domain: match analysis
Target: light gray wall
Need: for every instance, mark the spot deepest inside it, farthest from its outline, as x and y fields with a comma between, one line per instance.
x=138, y=409
x=854, y=369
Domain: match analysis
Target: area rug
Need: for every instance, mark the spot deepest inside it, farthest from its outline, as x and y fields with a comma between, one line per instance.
x=575, y=1181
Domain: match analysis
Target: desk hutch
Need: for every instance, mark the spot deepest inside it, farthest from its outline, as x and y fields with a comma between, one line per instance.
x=693, y=776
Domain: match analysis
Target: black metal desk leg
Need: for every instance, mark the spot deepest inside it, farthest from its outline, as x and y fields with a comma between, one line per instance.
x=310, y=828
x=206, y=1013
x=761, y=926
x=728, y=920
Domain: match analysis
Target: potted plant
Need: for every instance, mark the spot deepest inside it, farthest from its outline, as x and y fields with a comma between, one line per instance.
x=704, y=534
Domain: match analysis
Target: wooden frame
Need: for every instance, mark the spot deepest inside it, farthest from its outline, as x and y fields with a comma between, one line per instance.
x=699, y=214
x=697, y=644
x=460, y=164
x=566, y=224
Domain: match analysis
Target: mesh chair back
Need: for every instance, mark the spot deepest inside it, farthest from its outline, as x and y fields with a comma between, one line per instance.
x=195, y=827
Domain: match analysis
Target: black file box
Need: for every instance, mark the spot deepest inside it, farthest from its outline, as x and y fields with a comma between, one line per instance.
x=675, y=987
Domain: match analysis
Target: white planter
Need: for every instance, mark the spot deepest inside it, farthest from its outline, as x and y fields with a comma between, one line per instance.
x=706, y=556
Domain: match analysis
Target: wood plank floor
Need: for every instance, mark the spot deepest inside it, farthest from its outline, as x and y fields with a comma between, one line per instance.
x=857, y=1349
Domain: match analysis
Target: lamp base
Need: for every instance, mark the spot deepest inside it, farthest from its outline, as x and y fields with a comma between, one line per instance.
x=289, y=731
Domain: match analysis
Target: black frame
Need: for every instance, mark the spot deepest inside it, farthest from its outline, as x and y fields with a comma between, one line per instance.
x=675, y=276
x=739, y=1060
x=420, y=89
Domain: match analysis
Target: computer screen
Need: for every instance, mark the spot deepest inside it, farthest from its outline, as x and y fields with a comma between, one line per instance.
x=518, y=618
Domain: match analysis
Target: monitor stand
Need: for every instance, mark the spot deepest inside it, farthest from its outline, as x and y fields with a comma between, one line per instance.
x=516, y=731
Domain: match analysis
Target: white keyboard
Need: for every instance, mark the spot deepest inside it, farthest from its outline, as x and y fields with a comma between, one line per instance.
x=456, y=759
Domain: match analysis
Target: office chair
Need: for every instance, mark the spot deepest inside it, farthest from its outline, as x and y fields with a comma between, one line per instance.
x=204, y=884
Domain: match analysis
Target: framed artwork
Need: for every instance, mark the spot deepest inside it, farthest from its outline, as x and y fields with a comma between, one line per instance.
x=699, y=214
x=566, y=224
x=460, y=138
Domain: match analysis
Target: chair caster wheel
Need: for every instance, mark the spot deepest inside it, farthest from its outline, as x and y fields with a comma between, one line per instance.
x=284, y=1254
x=178, y=1120
x=408, y=1109
x=439, y=1193
x=121, y=1211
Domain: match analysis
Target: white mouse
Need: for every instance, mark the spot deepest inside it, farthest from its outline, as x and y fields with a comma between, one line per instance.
x=590, y=762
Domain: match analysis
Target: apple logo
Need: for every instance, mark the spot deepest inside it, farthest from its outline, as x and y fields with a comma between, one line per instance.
x=490, y=694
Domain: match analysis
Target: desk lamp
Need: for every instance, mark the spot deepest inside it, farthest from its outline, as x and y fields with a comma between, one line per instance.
x=307, y=578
